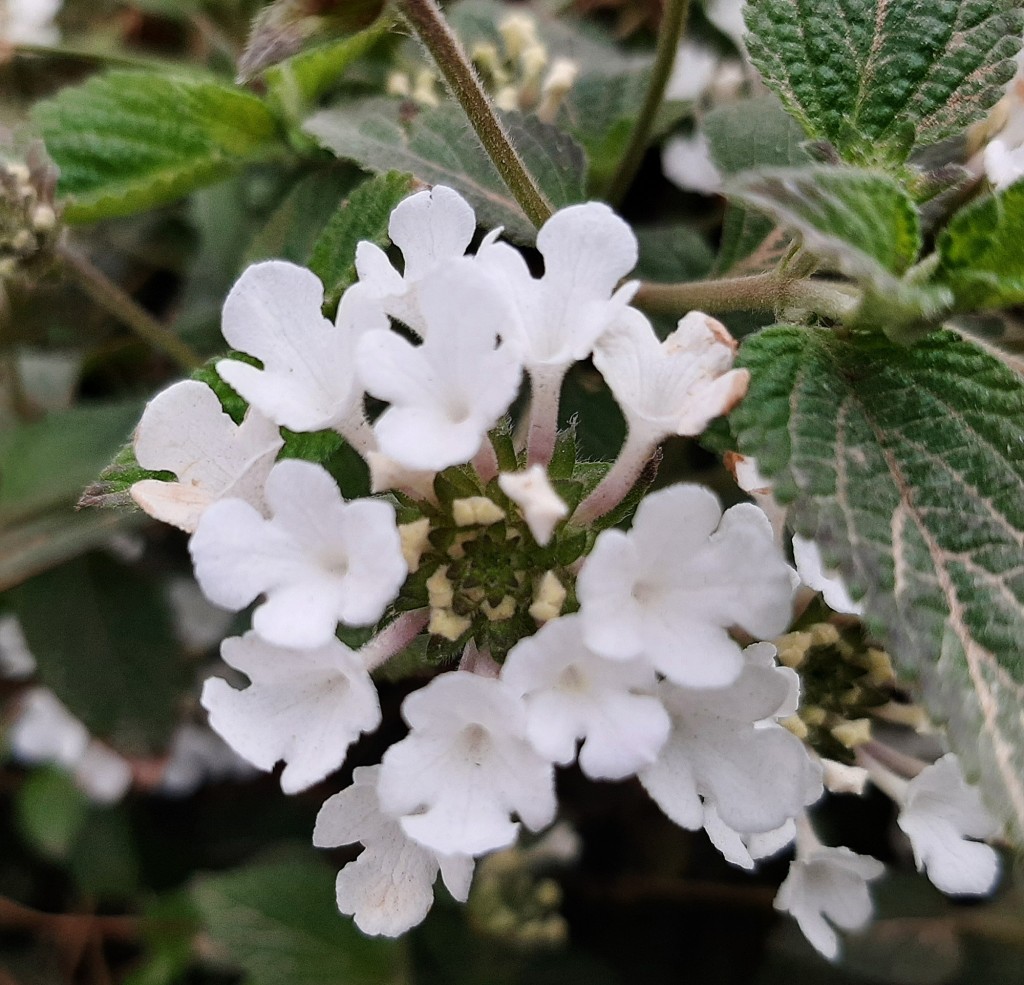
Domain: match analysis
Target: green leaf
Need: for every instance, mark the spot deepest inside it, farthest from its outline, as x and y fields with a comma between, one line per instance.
x=907, y=468
x=129, y=141
x=48, y=462
x=877, y=77
x=980, y=255
x=276, y=920
x=103, y=640
x=860, y=222
x=51, y=811
x=104, y=859
x=363, y=216
x=437, y=146
x=753, y=133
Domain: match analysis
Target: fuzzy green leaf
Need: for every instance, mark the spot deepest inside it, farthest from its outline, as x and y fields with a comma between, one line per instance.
x=128, y=141
x=907, y=468
x=878, y=77
x=861, y=222
x=364, y=215
x=276, y=920
x=437, y=146
x=980, y=255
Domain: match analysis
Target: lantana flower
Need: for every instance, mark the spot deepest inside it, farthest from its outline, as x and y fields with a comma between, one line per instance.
x=185, y=430
x=305, y=707
x=318, y=559
x=465, y=767
x=669, y=589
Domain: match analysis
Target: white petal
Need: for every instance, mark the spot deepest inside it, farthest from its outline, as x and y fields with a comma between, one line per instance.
x=687, y=163
x=533, y=493
x=318, y=559
x=431, y=227
x=45, y=731
x=185, y=430
x=465, y=767
x=305, y=707
x=939, y=814
x=102, y=774
x=1004, y=165
x=812, y=573
x=16, y=660
x=307, y=382
x=571, y=693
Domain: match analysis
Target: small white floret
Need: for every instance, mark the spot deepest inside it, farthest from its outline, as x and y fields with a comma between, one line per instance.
x=571, y=693
x=673, y=387
x=726, y=750
x=305, y=707
x=318, y=559
x=465, y=766
x=445, y=394
x=670, y=588
x=1004, y=165
x=308, y=380
x=687, y=163
x=388, y=888
x=825, y=887
x=185, y=430
x=431, y=228
x=940, y=814
x=533, y=493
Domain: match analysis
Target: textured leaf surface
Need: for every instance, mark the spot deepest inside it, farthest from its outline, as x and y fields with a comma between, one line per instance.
x=860, y=221
x=364, y=215
x=876, y=77
x=276, y=920
x=437, y=146
x=128, y=141
x=108, y=652
x=981, y=254
x=907, y=467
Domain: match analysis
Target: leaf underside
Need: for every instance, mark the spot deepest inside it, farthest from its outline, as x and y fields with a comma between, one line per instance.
x=907, y=467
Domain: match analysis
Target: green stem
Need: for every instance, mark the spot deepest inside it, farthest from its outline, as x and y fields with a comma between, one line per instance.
x=758, y=292
x=437, y=37
x=669, y=34
x=110, y=297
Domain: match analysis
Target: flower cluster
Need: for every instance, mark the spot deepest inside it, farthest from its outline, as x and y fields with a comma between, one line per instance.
x=486, y=547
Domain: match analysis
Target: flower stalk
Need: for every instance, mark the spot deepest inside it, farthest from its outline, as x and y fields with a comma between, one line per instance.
x=427, y=20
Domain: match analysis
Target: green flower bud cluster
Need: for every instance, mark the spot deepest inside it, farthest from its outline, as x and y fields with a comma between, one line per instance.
x=843, y=678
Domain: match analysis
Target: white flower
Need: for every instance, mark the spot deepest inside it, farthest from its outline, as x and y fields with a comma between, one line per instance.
x=319, y=559
x=744, y=849
x=693, y=71
x=465, y=767
x=1004, y=164
x=669, y=589
x=388, y=887
x=305, y=707
x=308, y=380
x=431, y=228
x=16, y=660
x=673, y=387
x=532, y=492
x=587, y=250
x=29, y=21
x=446, y=393
x=571, y=693
x=940, y=813
x=46, y=732
x=726, y=750
x=687, y=163
x=811, y=569
x=185, y=430
x=727, y=16
x=828, y=883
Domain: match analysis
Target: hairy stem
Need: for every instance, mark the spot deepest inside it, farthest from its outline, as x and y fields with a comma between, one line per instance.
x=758, y=292
x=669, y=34
x=623, y=475
x=428, y=22
x=125, y=309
